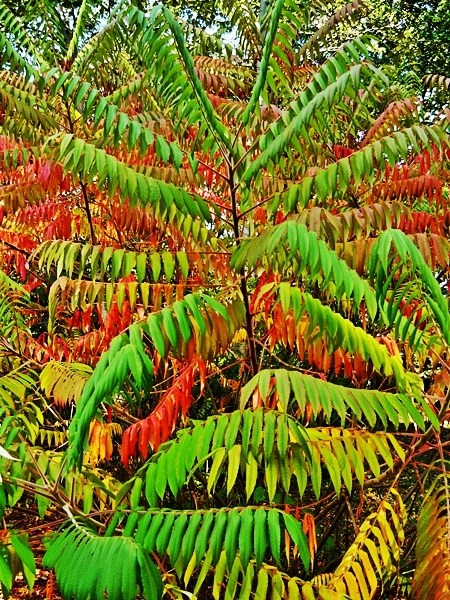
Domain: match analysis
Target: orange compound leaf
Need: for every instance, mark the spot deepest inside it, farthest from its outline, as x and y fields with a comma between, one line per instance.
x=33, y=184
x=101, y=441
x=430, y=157
x=32, y=283
x=17, y=196
x=136, y=221
x=283, y=330
x=88, y=348
x=440, y=385
x=155, y=429
x=389, y=118
x=41, y=349
x=208, y=174
x=342, y=151
x=409, y=188
x=39, y=213
x=19, y=240
x=309, y=529
x=50, y=175
x=57, y=348
x=60, y=228
x=420, y=222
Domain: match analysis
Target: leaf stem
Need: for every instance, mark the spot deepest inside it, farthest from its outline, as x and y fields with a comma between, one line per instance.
x=243, y=281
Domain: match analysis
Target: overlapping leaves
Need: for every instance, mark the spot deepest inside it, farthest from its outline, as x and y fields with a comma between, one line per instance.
x=304, y=394
x=338, y=331
x=432, y=574
x=187, y=536
x=291, y=245
x=198, y=324
x=86, y=563
x=270, y=447
x=110, y=263
x=387, y=270
x=375, y=553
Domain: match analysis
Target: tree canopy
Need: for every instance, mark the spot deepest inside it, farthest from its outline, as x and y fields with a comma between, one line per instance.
x=225, y=324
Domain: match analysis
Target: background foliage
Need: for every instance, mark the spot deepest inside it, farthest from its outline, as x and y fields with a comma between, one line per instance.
x=224, y=301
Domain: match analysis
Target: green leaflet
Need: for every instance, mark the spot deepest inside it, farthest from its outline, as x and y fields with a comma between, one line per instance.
x=218, y=536
x=298, y=537
x=170, y=328
x=246, y=535
x=274, y=528
x=162, y=149
x=176, y=538
x=231, y=541
x=216, y=468
x=260, y=533
x=251, y=474
x=25, y=555
x=6, y=574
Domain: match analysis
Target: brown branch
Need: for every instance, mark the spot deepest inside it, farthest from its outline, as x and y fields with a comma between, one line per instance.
x=93, y=239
